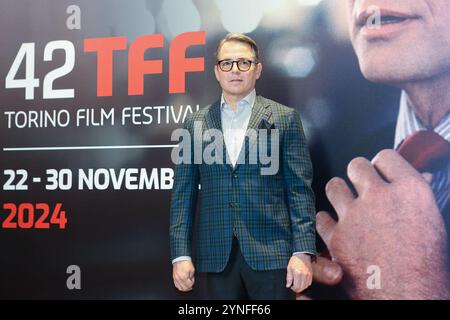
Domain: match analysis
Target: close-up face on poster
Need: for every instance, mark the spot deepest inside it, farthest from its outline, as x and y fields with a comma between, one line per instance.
x=225, y=150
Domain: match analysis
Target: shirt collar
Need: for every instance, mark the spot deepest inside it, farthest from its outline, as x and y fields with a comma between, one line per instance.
x=248, y=99
x=408, y=123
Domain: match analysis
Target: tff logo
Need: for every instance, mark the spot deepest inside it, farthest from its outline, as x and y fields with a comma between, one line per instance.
x=105, y=48
x=179, y=65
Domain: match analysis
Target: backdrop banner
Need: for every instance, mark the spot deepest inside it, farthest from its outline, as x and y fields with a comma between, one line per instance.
x=90, y=94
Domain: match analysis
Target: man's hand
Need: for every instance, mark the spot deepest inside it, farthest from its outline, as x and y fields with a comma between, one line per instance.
x=299, y=272
x=183, y=275
x=328, y=272
x=392, y=223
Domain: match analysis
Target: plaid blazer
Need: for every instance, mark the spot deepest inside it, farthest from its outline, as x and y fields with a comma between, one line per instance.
x=271, y=215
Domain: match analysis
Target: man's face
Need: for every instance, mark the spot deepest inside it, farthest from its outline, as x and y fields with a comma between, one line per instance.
x=237, y=83
x=411, y=44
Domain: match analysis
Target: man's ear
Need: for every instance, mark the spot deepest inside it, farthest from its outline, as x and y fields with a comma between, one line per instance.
x=259, y=68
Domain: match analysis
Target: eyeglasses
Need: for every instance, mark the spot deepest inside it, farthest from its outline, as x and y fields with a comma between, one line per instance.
x=242, y=64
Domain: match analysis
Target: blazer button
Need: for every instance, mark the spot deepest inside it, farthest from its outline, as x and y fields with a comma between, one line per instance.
x=233, y=204
x=235, y=176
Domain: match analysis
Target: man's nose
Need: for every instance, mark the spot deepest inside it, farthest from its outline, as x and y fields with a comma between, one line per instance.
x=235, y=68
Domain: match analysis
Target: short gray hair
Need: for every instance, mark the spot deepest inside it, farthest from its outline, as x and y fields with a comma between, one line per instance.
x=238, y=37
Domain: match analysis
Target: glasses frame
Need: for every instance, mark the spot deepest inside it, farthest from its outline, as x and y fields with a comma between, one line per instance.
x=237, y=64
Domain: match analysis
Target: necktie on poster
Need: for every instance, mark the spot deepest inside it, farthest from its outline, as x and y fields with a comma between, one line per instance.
x=425, y=150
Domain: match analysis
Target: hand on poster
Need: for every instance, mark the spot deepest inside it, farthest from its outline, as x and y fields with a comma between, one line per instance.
x=393, y=224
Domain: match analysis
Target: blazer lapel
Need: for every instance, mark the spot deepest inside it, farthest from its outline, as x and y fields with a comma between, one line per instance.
x=214, y=121
x=261, y=115
x=213, y=118
x=261, y=118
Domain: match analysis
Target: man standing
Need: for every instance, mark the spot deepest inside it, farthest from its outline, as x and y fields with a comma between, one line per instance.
x=395, y=224
x=255, y=231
